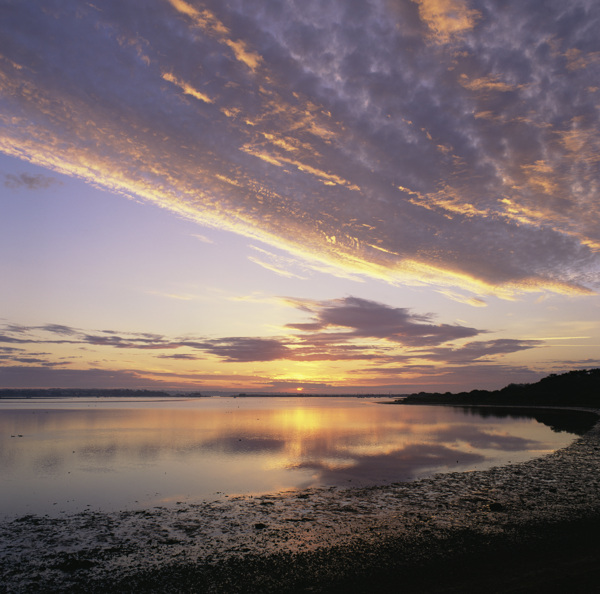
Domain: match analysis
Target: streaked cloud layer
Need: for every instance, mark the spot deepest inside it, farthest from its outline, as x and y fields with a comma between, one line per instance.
x=449, y=142
x=371, y=337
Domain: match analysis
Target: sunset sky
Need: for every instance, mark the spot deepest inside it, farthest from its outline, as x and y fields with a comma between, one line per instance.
x=307, y=196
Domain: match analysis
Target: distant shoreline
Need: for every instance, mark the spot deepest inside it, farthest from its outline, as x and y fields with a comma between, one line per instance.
x=573, y=388
x=47, y=393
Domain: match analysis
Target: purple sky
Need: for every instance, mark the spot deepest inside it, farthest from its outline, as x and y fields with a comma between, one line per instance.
x=374, y=195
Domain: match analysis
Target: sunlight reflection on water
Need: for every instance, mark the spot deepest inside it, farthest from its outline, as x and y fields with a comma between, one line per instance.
x=112, y=454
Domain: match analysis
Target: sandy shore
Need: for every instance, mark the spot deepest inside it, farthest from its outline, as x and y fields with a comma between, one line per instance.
x=522, y=528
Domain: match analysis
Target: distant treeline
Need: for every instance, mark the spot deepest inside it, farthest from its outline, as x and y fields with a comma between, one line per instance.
x=78, y=393
x=574, y=388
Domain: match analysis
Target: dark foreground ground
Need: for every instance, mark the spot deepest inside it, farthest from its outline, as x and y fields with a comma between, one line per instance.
x=562, y=557
x=529, y=527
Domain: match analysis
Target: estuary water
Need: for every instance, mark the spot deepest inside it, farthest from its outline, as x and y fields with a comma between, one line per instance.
x=108, y=454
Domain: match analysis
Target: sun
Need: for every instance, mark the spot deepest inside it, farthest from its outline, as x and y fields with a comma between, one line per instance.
x=299, y=389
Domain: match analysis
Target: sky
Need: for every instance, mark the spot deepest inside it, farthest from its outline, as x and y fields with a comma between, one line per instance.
x=303, y=196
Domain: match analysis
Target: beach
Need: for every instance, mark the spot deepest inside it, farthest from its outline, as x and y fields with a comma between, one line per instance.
x=523, y=527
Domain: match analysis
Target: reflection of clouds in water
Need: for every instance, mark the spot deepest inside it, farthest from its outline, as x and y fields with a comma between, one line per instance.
x=346, y=451
x=98, y=469
x=117, y=456
x=243, y=445
x=480, y=438
x=401, y=465
x=48, y=464
x=177, y=450
x=149, y=451
x=106, y=452
x=413, y=460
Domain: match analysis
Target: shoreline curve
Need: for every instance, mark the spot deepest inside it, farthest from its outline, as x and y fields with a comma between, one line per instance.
x=533, y=520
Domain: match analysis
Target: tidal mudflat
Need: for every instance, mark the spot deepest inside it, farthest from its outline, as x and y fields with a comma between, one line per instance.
x=328, y=539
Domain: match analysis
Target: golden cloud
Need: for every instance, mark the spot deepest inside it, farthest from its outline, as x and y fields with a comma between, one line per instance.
x=447, y=19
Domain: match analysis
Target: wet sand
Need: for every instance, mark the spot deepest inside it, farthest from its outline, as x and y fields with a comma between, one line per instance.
x=526, y=527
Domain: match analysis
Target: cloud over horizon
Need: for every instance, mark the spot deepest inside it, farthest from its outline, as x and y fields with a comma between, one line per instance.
x=368, y=319
x=449, y=142
x=378, y=340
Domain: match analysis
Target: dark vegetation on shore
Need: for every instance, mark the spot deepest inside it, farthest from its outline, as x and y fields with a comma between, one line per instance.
x=574, y=388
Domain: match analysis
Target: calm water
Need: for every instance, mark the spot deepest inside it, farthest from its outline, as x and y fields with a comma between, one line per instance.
x=110, y=454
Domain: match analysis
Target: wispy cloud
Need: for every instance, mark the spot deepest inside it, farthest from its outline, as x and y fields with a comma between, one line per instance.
x=455, y=296
x=348, y=329
x=203, y=238
x=278, y=264
x=427, y=141
x=29, y=181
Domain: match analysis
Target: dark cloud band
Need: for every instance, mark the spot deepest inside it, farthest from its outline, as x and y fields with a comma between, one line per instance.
x=340, y=330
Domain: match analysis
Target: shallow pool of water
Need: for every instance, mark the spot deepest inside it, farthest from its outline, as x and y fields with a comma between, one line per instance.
x=108, y=454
